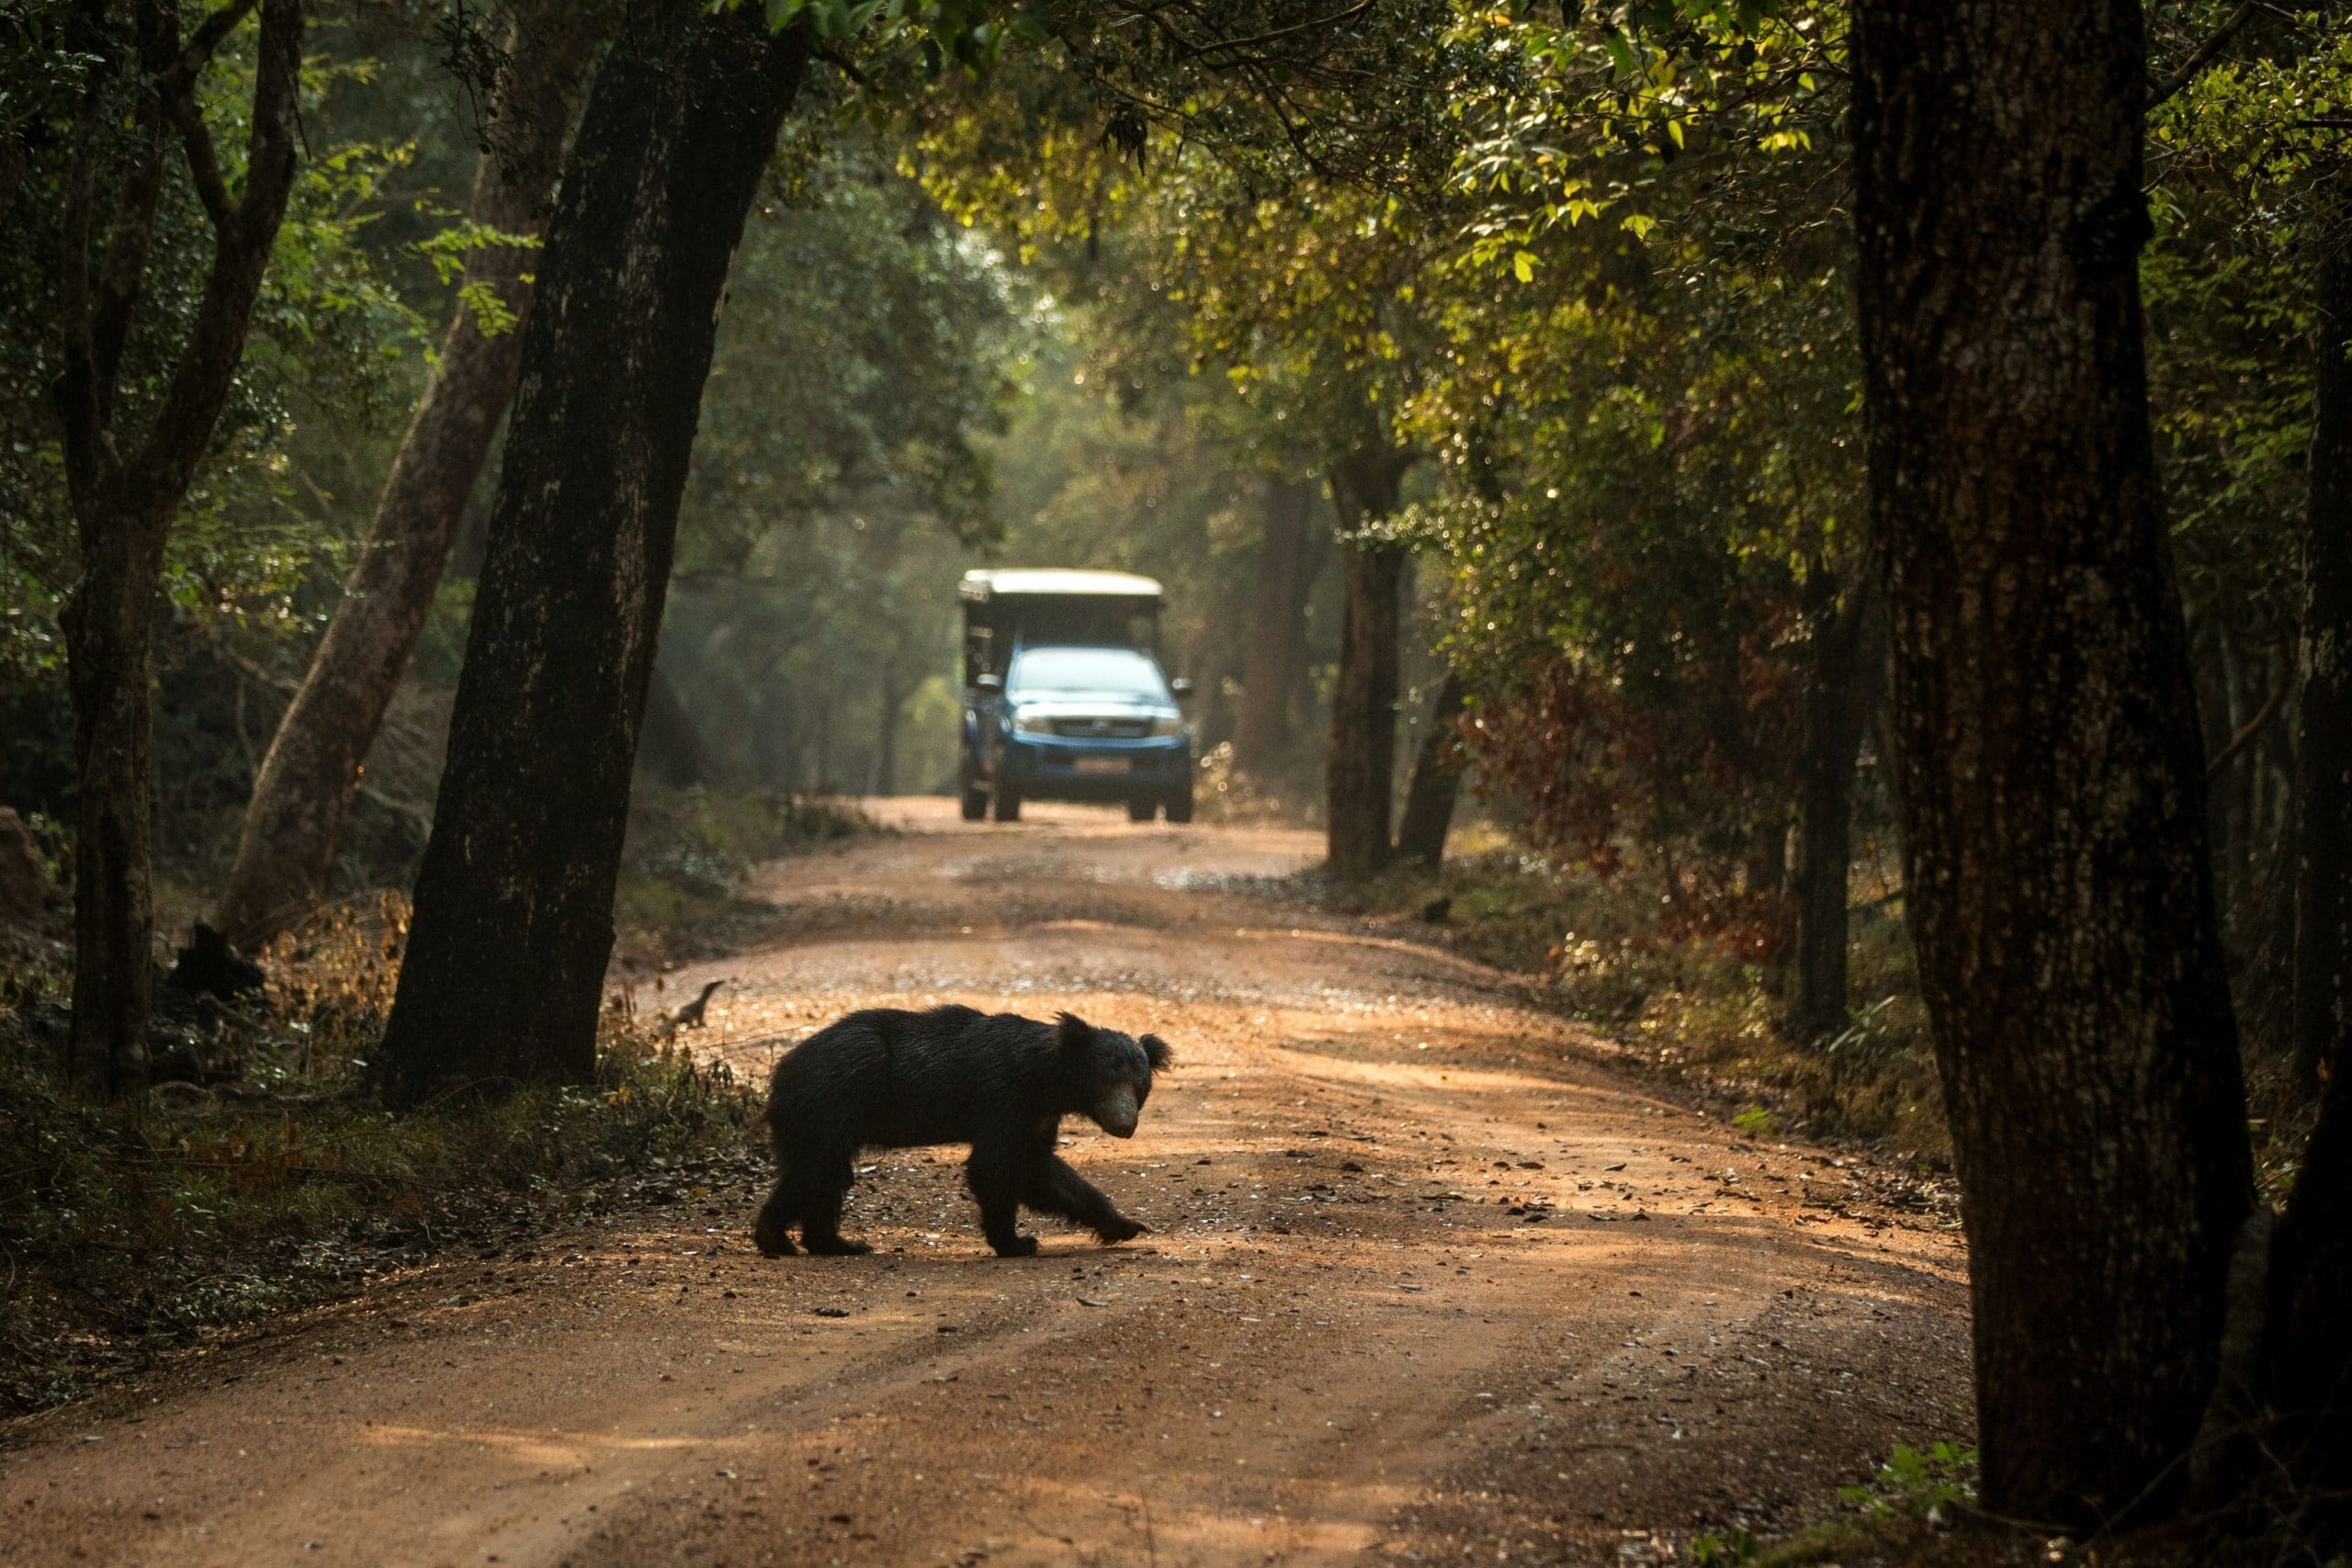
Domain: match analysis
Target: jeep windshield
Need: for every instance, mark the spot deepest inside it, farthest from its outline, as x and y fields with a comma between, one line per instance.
x=1120, y=672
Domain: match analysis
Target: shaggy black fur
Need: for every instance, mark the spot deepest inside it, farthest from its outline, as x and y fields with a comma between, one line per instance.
x=890, y=1078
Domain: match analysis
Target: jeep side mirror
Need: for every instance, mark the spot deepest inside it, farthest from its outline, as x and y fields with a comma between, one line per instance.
x=1179, y=688
x=989, y=683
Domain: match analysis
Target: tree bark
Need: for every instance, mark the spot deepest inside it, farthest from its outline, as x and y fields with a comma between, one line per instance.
x=2051, y=779
x=2307, y=1372
x=1436, y=782
x=2323, y=656
x=301, y=800
x=1362, y=756
x=1846, y=661
x=1271, y=659
x=125, y=493
x=512, y=926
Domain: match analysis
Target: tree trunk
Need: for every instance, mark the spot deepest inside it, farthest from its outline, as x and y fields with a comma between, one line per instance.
x=301, y=800
x=2307, y=1355
x=107, y=627
x=1437, y=780
x=125, y=494
x=1846, y=660
x=1277, y=637
x=2323, y=656
x=1362, y=757
x=2051, y=780
x=512, y=927
x=886, y=740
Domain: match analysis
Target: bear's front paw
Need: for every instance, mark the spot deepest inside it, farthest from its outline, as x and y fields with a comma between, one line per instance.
x=1018, y=1247
x=772, y=1239
x=1121, y=1228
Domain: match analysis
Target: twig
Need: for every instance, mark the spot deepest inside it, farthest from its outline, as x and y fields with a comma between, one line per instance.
x=2238, y=741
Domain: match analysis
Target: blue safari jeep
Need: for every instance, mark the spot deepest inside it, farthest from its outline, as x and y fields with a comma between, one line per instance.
x=1064, y=698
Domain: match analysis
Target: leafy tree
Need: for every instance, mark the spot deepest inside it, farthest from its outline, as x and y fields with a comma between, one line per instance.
x=302, y=797
x=144, y=370
x=518, y=875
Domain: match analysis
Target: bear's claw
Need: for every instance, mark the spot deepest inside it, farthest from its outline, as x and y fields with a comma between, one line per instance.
x=836, y=1246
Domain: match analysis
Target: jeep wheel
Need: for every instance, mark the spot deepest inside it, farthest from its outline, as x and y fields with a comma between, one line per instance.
x=1142, y=810
x=1008, y=801
x=1180, y=804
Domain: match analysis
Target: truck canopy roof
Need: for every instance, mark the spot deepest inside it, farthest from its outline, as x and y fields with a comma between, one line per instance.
x=1055, y=582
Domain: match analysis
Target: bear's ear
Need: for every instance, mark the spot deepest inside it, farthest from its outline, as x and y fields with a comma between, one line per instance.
x=1073, y=1033
x=1156, y=1051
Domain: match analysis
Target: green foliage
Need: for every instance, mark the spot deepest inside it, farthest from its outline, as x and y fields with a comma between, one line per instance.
x=1919, y=1483
x=330, y=334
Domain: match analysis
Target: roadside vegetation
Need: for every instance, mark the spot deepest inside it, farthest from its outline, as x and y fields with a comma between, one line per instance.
x=266, y=1174
x=1702, y=1007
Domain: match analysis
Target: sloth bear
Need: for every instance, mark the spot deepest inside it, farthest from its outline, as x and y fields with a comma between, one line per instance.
x=890, y=1079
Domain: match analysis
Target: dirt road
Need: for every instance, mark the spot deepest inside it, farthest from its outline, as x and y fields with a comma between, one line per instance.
x=1428, y=1282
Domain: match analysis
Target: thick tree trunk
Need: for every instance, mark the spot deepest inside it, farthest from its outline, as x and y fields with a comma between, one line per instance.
x=2307, y=1355
x=2051, y=780
x=301, y=800
x=108, y=633
x=1277, y=638
x=1841, y=684
x=1362, y=762
x=512, y=927
x=1436, y=782
x=123, y=495
x=2324, y=654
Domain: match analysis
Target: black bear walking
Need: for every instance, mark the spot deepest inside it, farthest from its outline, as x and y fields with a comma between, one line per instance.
x=890, y=1079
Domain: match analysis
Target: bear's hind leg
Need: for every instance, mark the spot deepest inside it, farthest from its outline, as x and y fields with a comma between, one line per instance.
x=824, y=1185
x=771, y=1232
x=995, y=1178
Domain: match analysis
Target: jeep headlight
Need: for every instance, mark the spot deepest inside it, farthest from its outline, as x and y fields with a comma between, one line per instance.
x=1031, y=724
x=1171, y=726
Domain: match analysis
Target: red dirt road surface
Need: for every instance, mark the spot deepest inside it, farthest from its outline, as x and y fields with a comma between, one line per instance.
x=1429, y=1281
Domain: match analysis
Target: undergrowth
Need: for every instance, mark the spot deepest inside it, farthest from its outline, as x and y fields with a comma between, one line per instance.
x=1693, y=1006
x=265, y=1175
x=688, y=857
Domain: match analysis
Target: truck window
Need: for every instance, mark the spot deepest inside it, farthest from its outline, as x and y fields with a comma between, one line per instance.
x=1108, y=669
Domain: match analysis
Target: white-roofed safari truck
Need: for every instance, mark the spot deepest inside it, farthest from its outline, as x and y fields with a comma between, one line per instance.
x=1065, y=698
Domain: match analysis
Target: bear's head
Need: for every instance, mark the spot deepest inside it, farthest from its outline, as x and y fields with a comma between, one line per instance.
x=1109, y=1073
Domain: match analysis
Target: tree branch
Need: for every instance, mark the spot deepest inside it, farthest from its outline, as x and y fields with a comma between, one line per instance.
x=2201, y=56
x=192, y=57
x=2239, y=741
x=208, y=362
x=203, y=164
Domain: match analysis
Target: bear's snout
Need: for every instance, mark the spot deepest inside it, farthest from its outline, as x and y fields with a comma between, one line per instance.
x=1120, y=1129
